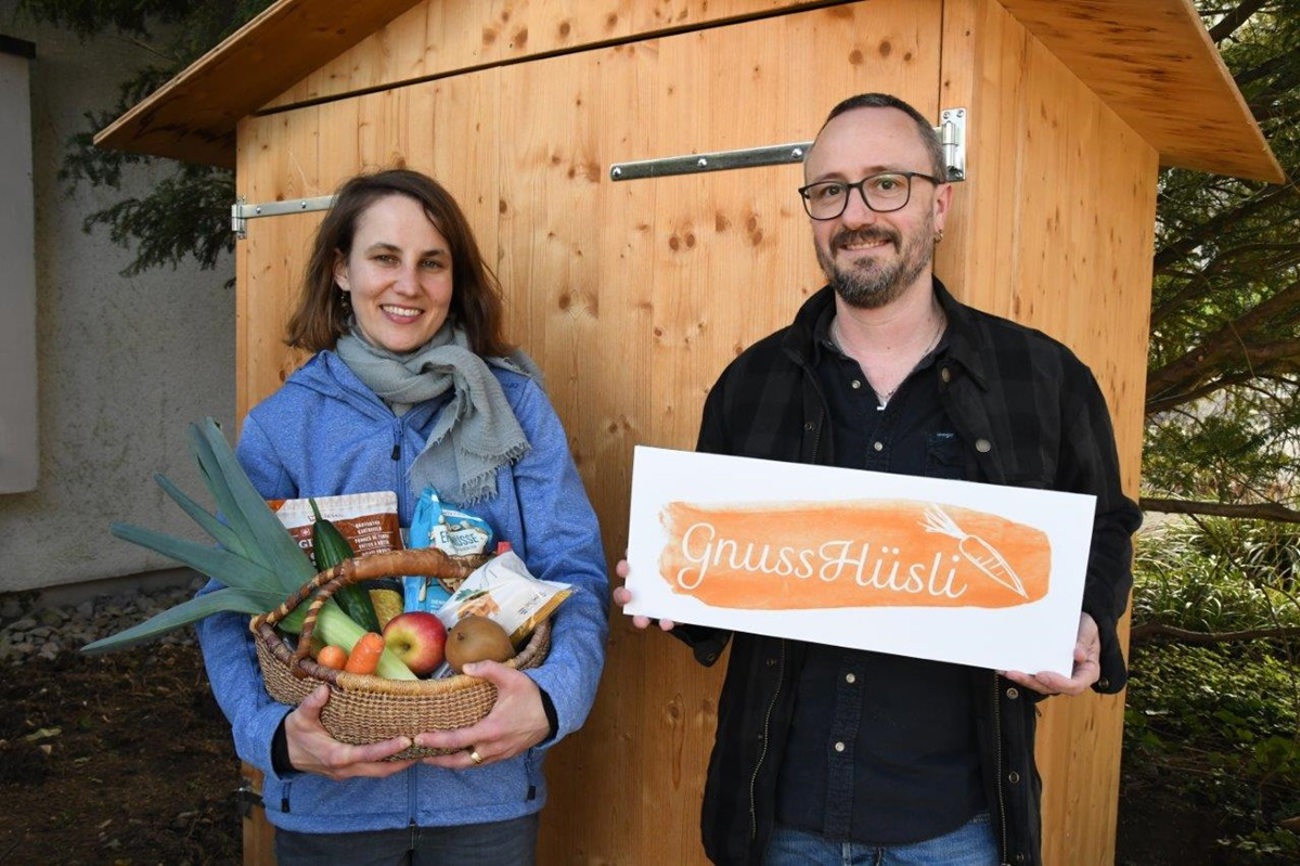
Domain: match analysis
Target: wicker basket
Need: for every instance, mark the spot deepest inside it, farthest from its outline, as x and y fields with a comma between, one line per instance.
x=368, y=709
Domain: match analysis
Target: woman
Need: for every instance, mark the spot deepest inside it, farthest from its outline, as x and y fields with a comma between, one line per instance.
x=412, y=383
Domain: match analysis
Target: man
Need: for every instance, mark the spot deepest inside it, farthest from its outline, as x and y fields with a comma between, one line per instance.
x=828, y=755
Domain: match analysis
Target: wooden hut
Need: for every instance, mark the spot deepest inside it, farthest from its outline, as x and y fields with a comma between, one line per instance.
x=633, y=293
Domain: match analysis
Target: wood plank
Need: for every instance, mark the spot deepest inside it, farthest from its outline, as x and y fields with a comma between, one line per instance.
x=576, y=251
x=1154, y=64
x=1055, y=230
x=259, y=836
x=278, y=161
x=431, y=38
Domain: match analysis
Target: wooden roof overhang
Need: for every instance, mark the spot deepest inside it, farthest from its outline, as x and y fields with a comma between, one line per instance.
x=1152, y=62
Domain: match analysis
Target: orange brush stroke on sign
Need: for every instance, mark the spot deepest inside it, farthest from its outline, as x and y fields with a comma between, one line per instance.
x=875, y=553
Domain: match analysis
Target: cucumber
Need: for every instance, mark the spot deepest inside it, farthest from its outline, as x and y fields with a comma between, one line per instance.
x=337, y=628
x=331, y=548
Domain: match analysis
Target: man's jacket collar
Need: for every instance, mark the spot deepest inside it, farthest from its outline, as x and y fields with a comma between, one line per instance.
x=963, y=335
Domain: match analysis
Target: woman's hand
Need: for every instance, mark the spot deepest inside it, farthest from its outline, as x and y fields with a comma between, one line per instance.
x=622, y=595
x=516, y=723
x=313, y=750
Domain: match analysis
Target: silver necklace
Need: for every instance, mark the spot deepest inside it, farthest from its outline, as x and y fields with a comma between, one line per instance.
x=882, y=400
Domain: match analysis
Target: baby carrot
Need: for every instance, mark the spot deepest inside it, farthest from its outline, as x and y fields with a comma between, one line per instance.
x=364, y=658
x=332, y=657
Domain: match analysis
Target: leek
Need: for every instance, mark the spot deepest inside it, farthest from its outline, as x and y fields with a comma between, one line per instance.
x=257, y=561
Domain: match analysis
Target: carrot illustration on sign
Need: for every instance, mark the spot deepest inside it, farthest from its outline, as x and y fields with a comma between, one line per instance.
x=977, y=551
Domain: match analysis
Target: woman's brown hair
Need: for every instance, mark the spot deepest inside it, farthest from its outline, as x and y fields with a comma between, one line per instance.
x=322, y=313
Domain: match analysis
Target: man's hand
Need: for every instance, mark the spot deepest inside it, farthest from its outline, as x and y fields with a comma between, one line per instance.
x=313, y=750
x=1087, y=666
x=622, y=596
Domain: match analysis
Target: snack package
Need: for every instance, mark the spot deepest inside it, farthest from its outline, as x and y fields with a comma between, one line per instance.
x=467, y=533
x=502, y=590
x=456, y=533
x=367, y=520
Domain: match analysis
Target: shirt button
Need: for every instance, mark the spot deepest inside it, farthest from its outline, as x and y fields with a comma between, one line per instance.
x=855, y=384
x=808, y=425
x=878, y=446
x=839, y=747
x=946, y=375
x=850, y=679
x=1013, y=693
x=983, y=446
x=1013, y=777
x=1103, y=683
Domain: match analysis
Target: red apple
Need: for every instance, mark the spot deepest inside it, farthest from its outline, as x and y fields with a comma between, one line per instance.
x=418, y=638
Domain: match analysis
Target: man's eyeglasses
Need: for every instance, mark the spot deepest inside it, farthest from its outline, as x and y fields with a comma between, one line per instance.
x=882, y=193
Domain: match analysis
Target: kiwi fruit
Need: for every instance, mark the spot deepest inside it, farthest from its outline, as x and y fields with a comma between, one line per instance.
x=476, y=638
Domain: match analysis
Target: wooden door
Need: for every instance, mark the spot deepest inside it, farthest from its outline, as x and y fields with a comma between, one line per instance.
x=635, y=294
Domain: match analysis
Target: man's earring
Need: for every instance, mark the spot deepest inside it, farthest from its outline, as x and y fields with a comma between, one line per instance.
x=938, y=235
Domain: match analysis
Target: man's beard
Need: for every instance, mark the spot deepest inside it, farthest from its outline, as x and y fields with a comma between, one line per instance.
x=869, y=284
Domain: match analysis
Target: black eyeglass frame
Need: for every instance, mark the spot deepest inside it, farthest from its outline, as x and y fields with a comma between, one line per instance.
x=849, y=187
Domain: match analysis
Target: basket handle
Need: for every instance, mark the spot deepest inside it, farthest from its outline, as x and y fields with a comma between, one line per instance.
x=423, y=562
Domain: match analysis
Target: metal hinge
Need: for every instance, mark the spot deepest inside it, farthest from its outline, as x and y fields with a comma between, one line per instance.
x=952, y=135
x=241, y=212
x=951, y=131
x=247, y=798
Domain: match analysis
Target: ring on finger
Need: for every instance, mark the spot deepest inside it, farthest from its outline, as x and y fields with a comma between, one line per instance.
x=475, y=756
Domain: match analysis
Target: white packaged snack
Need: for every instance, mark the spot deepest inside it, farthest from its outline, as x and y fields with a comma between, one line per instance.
x=503, y=590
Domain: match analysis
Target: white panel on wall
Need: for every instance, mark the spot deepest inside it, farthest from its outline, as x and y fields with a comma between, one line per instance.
x=18, y=452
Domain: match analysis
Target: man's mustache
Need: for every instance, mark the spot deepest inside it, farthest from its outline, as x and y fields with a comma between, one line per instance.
x=872, y=233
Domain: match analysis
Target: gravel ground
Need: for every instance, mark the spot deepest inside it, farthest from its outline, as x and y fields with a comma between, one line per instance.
x=36, y=626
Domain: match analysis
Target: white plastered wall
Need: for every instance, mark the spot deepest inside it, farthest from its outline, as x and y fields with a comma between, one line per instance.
x=123, y=364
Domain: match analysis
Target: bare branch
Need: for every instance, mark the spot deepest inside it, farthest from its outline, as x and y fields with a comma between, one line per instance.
x=1230, y=22
x=1194, y=236
x=1248, y=511
x=1146, y=631
x=1200, y=364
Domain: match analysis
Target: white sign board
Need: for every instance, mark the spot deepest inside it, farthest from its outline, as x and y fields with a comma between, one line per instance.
x=955, y=571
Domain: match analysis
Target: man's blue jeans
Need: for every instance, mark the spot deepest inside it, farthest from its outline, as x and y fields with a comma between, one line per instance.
x=972, y=844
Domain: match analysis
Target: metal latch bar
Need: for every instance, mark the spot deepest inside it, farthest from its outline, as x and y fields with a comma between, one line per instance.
x=951, y=132
x=753, y=157
x=241, y=212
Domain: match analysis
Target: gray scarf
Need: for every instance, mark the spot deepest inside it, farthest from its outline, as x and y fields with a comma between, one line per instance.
x=475, y=434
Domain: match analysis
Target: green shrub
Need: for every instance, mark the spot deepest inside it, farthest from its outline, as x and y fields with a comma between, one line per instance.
x=1216, y=723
